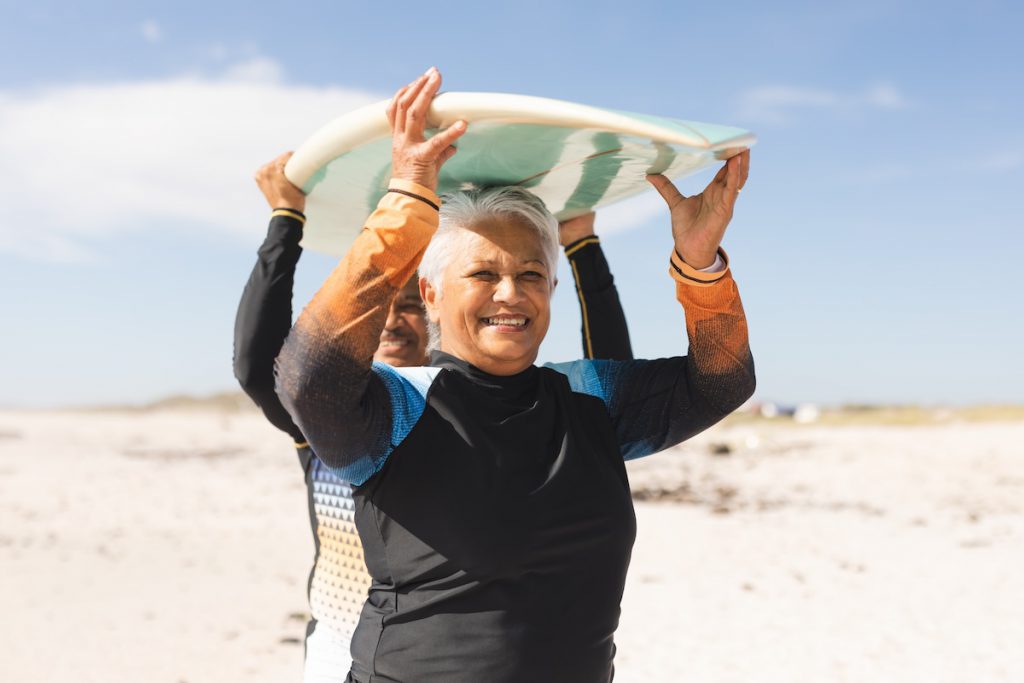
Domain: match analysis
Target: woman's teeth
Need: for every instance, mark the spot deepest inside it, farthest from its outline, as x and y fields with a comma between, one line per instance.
x=507, y=322
x=392, y=343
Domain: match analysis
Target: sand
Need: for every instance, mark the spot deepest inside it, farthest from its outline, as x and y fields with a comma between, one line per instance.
x=174, y=546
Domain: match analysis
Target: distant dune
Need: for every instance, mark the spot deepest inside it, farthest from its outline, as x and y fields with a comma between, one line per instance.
x=227, y=401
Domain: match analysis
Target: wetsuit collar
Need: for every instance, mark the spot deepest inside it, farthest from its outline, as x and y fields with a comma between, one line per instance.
x=516, y=382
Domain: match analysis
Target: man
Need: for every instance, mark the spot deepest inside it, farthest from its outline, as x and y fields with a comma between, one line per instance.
x=338, y=581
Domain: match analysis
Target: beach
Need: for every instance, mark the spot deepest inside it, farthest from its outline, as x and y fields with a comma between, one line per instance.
x=174, y=545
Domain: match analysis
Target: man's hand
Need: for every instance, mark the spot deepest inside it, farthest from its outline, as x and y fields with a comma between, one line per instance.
x=278, y=190
x=576, y=229
x=699, y=222
x=413, y=157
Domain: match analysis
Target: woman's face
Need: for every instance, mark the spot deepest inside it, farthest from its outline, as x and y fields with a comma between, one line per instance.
x=495, y=302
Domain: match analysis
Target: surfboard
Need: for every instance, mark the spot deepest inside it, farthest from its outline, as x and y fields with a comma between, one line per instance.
x=575, y=157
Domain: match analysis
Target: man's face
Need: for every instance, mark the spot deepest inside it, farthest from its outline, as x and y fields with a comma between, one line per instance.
x=403, y=341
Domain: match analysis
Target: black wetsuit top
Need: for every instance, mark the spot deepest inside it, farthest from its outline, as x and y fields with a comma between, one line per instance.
x=514, y=565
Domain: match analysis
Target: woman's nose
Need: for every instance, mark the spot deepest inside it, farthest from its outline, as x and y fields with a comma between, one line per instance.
x=507, y=291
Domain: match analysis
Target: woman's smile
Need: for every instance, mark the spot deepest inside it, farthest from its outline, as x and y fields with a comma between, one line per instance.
x=506, y=323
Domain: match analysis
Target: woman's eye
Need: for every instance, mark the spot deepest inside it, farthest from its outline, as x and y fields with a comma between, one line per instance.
x=531, y=276
x=483, y=275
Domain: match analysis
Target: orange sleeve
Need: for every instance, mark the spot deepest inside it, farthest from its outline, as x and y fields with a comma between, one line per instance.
x=324, y=369
x=351, y=308
x=716, y=326
x=657, y=403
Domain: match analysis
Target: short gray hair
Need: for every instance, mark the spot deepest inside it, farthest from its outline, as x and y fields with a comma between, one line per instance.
x=460, y=210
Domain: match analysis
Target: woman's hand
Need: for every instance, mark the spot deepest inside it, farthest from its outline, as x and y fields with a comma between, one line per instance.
x=413, y=157
x=276, y=188
x=699, y=222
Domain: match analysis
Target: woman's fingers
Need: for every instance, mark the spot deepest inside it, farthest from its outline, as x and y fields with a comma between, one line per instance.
x=409, y=104
x=446, y=155
x=722, y=176
x=718, y=191
x=736, y=171
x=440, y=143
x=733, y=175
x=413, y=157
x=397, y=113
x=416, y=118
x=400, y=103
x=407, y=110
x=393, y=106
x=666, y=189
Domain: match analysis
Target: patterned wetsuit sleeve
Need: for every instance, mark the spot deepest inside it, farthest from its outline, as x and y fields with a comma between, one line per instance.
x=265, y=316
x=325, y=376
x=655, y=404
x=605, y=334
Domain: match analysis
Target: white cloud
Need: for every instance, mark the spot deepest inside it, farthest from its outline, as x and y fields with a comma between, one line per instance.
x=88, y=161
x=780, y=104
x=151, y=31
x=257, y=70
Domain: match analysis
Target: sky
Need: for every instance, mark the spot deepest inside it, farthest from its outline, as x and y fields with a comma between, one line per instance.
x=878, y=244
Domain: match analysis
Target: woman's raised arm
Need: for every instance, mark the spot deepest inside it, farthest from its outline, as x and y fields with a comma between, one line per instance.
x=655, y=404
x=343, y=403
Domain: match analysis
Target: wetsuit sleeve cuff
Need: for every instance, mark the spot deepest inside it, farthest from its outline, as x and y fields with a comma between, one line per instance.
x=397, y=232
x=681, y=272
x=289, y=213
x=416, y=191
x=579, y=244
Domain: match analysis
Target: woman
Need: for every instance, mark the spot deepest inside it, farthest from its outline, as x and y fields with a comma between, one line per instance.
x=338, y=582
x=491, y=495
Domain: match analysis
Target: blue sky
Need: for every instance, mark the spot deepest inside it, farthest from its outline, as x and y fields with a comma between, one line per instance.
x=878, y=245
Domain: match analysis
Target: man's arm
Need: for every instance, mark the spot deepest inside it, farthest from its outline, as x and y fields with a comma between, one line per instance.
x=265, y=311
x=604, y=331
x=265, y=316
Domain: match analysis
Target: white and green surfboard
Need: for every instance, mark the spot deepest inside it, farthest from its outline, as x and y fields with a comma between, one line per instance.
x=575, y=157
